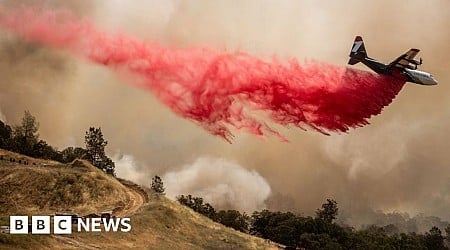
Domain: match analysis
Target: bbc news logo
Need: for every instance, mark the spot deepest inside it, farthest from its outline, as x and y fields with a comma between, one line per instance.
x=64, y=225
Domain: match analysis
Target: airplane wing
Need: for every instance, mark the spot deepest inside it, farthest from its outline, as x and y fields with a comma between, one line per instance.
x=405, y=59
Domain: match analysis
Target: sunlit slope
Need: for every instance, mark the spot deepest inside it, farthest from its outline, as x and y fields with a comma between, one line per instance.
x=35, y=186
x=157, y=222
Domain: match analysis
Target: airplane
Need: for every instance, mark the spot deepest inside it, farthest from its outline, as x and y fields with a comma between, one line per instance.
x=404, y=65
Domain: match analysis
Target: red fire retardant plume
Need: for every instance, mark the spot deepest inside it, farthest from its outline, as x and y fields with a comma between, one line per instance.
x=217, y=89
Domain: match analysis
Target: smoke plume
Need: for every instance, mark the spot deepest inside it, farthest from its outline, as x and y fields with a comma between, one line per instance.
x=217, y=89
x=128, y=169
x=2, y=116
x=222, y=183
x=398, y=163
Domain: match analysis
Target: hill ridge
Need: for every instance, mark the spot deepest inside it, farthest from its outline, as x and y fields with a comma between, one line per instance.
x=157, y=222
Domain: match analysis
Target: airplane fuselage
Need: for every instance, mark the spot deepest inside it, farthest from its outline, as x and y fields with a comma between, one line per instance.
x=404, y=67
x=376, y=66
x=419, y=77
x=412, y=75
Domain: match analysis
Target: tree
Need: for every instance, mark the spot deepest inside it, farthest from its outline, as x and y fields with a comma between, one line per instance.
x=108, y=166
x=42, y=150
x=260, y=223
x=328, y=212
x=185, y=200
x=280, y=227
x=209, y=211
x=70, y=154
x=233, y=219
x=433, y=239
x=158, y=185
x=318, y=241
x=5, y=136
x=95, y=146
x=447, y=231
x=196, y=204
x=26, y=135
x=95, y=150
x=407, y=241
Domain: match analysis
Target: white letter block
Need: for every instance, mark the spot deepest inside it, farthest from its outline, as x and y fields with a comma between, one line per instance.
x=18, y=224
x=62, y=225
x=40, y=224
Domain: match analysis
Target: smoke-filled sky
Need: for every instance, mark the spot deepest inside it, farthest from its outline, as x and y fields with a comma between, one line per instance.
x=398, y=162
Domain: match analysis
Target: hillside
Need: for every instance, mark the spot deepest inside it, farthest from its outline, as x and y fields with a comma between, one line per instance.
x=31, y=186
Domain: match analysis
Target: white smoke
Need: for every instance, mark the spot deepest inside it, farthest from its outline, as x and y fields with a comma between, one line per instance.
x=374, y=156
x=120, y=15
x=127, y=168
x=2, y=116
x=224, y=184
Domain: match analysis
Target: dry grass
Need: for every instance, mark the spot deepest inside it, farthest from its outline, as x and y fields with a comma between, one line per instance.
x=165, y=224
x=79, y=187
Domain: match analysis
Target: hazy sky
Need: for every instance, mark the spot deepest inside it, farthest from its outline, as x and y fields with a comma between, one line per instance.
x=398, y=162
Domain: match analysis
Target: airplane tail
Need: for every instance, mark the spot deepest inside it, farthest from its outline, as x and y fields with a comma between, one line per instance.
x=358, y=51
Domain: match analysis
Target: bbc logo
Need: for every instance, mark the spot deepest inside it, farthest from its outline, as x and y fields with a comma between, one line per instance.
x=40, y=225
x=62, y=224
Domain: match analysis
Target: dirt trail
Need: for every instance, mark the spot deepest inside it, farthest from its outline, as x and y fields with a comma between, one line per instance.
x=135, y=201
x=136, y=197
